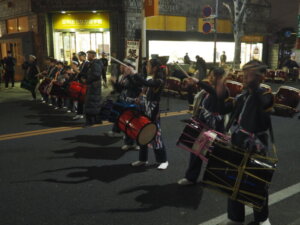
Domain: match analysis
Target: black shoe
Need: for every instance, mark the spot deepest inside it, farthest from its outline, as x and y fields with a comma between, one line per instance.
x=253, y=223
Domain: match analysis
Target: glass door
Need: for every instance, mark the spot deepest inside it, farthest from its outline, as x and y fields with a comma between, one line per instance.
x=69, y=46
x=97, y=42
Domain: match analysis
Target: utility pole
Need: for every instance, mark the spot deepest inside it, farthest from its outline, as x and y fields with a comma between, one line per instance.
x=215, y=32
x=143, y=31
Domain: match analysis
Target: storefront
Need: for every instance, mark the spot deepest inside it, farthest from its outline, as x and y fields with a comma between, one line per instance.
x=176, y=50
x=74, y=32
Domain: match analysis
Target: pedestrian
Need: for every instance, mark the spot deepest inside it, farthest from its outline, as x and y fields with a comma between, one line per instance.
x=31, y=75
x=209, y=114
x=9, y=63
x=251, y=120
x=187, y=59
x=104, y=70
x=81, y=76
x=154, y=88
x=223, y=59
x=200, y=67
x=93, y=95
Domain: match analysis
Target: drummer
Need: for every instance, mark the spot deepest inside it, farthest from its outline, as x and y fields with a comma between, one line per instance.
x=208, y=114
x=128, y=91
x=52, y=70
x=151, y=101
x=59, y=77
x=251, y=114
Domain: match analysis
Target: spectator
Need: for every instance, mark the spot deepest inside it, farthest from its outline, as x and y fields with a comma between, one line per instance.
x=9, y=63
x=187, y=59
x=104, y=70
x=223, y=58
x=201, y=67
x=75, y=58
x=31, y=71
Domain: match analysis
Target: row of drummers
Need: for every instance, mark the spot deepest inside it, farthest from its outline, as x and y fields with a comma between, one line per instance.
x=278, y=76
x=286, y=97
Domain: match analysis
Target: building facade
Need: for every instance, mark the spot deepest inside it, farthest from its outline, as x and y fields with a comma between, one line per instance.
x=59, y=28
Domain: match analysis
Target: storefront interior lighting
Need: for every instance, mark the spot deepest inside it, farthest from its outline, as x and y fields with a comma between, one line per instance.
x=101, y=29
x=94, y=11
x=63, y=12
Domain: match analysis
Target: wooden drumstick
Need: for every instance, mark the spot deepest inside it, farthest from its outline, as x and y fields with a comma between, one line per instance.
x=182, y=70
x=118, y=61
x=123, y=64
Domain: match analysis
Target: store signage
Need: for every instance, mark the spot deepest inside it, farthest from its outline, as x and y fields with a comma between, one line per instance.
x=133, y=52
x=151, y=8
x=81, y=21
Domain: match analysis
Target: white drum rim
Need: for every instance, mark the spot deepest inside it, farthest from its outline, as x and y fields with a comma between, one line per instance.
x=145, y=129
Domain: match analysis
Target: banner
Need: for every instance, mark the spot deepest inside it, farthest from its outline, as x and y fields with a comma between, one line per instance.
x=151, y=8
x=133, y=52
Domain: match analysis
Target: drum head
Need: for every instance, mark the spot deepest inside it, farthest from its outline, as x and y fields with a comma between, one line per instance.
x=147, y=134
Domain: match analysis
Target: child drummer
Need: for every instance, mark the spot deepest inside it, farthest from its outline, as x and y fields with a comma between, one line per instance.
x=152, y=99
x=209, y=114
x=128, y=90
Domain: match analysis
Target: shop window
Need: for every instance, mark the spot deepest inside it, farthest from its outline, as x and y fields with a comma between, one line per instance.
x=23, y=24
x=12, y=26
x=16, y=25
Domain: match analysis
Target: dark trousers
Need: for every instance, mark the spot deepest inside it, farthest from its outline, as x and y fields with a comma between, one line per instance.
x=80, y=107
x=190, y=97
x=33, y=94
x=236, y=212
x=104, y=75
x=9, y=76
x=160, y=154
x=194, y=168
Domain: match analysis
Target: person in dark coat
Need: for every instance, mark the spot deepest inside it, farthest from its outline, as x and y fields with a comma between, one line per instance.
x=31, y=71
x=104, y=61
x=9, y=63
x=201, y=67
x=81, y=78
x=93, y=95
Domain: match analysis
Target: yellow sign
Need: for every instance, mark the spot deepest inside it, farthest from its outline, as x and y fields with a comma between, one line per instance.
x=81, y=21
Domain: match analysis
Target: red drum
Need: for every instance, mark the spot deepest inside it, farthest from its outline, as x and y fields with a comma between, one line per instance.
x=235, y=88
x=43, y=86
x=192, y=139
x=57, y=89
x=286, y=101
x=266, y=87
x=270, y=75
x=137, y=127
x=173, y=84
x=77, y=91
x=280, y=76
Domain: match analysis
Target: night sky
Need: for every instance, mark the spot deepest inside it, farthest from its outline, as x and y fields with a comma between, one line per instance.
x=284, y=13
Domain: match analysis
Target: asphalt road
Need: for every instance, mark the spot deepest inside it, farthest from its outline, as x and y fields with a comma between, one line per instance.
x=81, y=177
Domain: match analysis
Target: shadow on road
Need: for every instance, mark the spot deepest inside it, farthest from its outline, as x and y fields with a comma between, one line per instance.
x=107, y=174
x=47, y=116
x=83, y=152
x=93, y=139
x=157, y=196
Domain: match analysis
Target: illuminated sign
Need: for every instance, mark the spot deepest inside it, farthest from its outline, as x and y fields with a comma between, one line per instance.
x=81, y=21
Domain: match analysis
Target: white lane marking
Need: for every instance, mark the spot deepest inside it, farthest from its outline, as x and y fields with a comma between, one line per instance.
x=274, y=198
